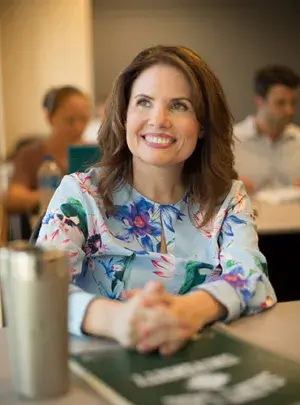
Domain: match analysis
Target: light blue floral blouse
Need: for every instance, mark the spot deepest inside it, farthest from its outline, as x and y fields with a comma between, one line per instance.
x=109, y=254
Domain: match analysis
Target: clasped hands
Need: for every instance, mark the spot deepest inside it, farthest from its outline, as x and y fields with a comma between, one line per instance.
x=152, y=319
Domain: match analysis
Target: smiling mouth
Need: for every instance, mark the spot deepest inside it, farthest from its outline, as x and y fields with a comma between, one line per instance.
x=156, y=139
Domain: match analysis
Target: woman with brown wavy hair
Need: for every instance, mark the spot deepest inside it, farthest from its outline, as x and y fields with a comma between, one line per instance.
x=160, y=235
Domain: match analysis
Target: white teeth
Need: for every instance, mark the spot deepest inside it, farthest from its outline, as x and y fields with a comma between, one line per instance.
x=158, y=139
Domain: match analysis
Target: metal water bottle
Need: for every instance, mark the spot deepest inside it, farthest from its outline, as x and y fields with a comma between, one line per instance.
x=35, y=287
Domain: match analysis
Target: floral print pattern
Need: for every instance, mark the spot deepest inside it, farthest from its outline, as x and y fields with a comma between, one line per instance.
x=113, y=253
x=139, y=222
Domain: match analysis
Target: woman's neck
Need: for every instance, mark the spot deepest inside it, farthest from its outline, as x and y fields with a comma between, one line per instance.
x=160, y=184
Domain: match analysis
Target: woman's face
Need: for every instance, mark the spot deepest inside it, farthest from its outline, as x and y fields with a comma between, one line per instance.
x=71, y=117
x=161, y=127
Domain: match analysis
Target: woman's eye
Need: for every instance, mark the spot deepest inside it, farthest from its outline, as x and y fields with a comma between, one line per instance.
x=179, y=106
x=143, y=102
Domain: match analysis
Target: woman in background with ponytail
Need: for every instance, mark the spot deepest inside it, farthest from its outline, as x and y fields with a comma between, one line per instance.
x=67, y=111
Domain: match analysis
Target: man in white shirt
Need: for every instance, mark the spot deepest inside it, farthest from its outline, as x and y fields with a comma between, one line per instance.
x=267, y=148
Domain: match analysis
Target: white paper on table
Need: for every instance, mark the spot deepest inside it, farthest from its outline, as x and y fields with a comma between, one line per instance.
x=279, y=196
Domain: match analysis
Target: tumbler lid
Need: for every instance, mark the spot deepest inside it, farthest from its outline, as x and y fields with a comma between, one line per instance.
x=20, y=259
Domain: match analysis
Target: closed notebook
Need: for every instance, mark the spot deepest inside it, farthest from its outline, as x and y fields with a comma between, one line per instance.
x=213, y=369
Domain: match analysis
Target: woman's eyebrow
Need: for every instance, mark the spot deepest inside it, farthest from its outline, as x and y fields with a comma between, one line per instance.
x=144, y=95
x=172, y=99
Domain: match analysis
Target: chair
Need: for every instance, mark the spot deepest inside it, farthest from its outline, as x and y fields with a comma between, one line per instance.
x=18, y=227
x=36, y=230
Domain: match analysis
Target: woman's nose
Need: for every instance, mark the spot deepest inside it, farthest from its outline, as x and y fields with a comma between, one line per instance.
x=78, y=127
x=160, y=118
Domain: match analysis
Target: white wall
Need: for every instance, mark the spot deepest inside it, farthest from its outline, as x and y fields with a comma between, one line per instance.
x=44, y=43
x=234, y=36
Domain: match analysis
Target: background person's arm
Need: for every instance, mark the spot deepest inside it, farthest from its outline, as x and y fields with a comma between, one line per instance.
x=21, y=195
x=21, y=199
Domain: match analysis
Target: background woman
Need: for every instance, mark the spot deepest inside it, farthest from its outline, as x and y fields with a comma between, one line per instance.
x=68, y=112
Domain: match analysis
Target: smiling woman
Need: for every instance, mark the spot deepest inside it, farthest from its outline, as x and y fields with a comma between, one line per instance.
x=160, y=236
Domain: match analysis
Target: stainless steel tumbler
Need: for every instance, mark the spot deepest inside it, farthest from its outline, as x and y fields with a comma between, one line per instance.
x=35, y=289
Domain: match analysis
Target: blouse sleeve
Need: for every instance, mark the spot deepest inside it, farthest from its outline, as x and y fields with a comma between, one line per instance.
x=243, y=286
x=65, y=227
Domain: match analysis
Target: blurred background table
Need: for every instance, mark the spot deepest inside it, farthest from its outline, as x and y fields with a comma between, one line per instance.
x=276, y=329
x=283, y=218
x=279, y=240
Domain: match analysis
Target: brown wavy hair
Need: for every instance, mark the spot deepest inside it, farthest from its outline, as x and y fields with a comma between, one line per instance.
x=209, y=171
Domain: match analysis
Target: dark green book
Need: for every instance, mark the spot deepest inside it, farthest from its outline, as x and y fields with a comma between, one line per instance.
x=213, y=369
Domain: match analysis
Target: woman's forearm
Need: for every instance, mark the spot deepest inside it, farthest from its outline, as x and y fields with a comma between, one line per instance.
x=209, y=308
x=100, y=318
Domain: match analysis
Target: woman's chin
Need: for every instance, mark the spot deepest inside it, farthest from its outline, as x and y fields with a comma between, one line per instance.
x=157, y=161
